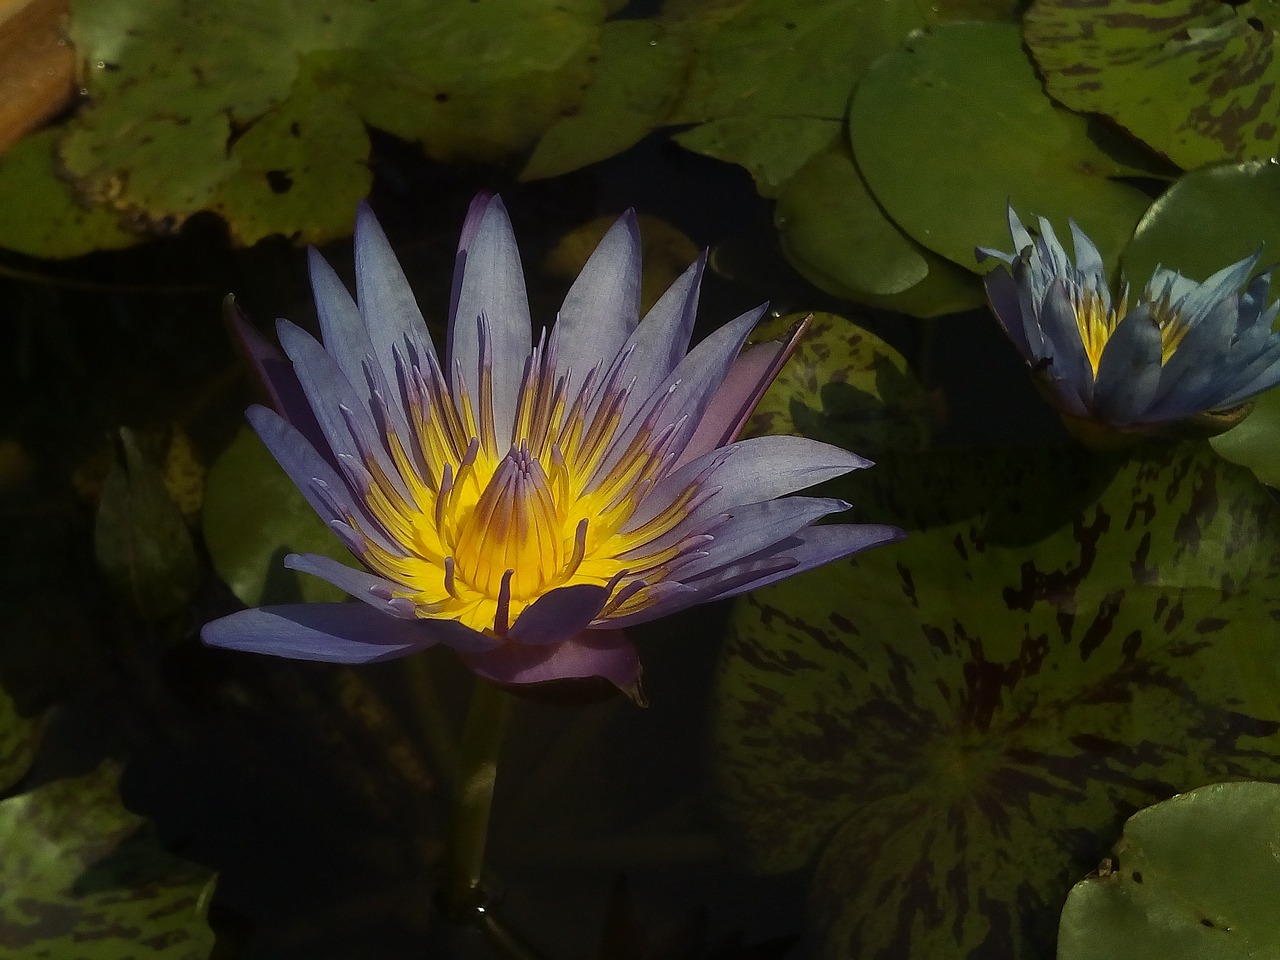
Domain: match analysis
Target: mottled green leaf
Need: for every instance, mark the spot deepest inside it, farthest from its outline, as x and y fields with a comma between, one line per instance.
x=253, y=518
x=140, y=539
x=1195, y=79
x=85, y=879
x=38, y=214
x=950, y=129
x=843, y=385
x=635, y=82
x=18, y=739
x=953, y=727
x=781, y=71
x=1255, y=443
x=257, y=109
x=835, y=234
x=1194, y=878
x=1208, y=219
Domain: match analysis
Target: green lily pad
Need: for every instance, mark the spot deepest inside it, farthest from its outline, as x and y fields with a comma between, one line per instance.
x=1166, y=895
x=1255, y=442
x=835, y=234
x=636, y=80
x=253, y=517
x=258, y=110
x=1208, y=219
x=87, y=879
x=40, y=217
x=953, y=127
x=1194, y=79
x=140, y=539
x=843, y=385
x=954, y=726
x=781, y=71
x=19, y=736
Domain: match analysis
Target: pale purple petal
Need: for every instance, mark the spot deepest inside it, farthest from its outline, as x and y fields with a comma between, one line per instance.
x=662, y=338
x=732, y=405
x=558, y=615
x=390, y=311
x=688, y=389
x=1129, y=370
x=373, y=590
x=809, y=548
x=329, y=632
x=276, y=382
x=603, y=653
x=344, y=418
x=755, y=528
x=1006, y=302
x=602, y=307
x=492, y=286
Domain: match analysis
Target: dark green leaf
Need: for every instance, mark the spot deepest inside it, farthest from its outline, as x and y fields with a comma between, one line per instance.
x=1194, y=878
x=18, y=738
x=955, y=126
x=253, y=517
x=140, y=539
x=1207, y=220
x=634, y=84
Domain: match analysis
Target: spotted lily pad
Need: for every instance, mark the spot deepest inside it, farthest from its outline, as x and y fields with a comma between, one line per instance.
x=954, y=727
x=253, y=517
x=846, y=386
x=1165, y=893
x=86, y=879
x=771, y=78
x=1195, y=79
x=257, y=110
x=954, y=126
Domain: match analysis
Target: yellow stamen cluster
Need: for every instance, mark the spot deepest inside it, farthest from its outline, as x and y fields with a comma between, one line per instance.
x=490, y=524
x=1096, y=323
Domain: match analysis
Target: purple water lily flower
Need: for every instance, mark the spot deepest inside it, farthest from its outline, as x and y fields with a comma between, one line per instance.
x=523, y=500
x=1181, y=350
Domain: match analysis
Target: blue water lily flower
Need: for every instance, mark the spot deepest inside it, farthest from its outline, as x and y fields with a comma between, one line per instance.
x=1181, y=350
x=518, y=499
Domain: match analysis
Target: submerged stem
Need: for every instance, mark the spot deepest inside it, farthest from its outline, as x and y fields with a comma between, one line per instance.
x=473, y=797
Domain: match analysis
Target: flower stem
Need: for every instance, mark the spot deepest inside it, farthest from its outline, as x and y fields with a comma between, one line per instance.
x=472, y=799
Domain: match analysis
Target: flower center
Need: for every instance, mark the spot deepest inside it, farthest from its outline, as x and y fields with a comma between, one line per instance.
x=514, y=526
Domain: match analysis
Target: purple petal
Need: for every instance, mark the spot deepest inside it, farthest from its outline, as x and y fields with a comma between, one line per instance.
x=602, y=307
x=556, y=616
x=344, y=416
x=329, y=632
x=811, y=547
x=750, y=471
x=689, y=388
x=758, y=527
x=274, y=377
x=661, y=340
x=1006, y=304
x=592, y=653
x=1129, y=369
x=491, y=284
x=731, y=406
x=390, y=311
x=373, y=590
